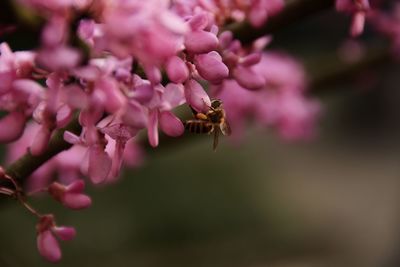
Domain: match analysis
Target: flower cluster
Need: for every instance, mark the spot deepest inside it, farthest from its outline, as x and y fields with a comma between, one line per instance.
x=121, y=67
x=384, y=20
x=359, y=10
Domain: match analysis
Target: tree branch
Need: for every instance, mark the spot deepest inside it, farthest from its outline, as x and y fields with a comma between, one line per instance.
x=293, y=12
x=28, y=163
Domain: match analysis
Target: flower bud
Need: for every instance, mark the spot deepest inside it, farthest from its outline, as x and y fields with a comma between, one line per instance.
x=12, y=126
x=70, y=196
x=249, y=79
x=177, y=70
x=211, y=67
x=196, y=97
x=199, y=42
x=170, y=124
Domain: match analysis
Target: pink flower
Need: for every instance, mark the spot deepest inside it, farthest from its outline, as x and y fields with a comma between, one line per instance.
x=248, y=78
x=260, y=10
x=121, y=133
x=66, y=165
x=196, y=97
x=279, y=104
x=47, y=235
x=388, y=23
x=70, y=196
x=50, y=114
x=177, y=70
x=12, y=126
x=146, y=29
x=211, y=67
x=199, y=42
x=160, y=113
x=18, y=95
x=59, y=58
x=359, y=9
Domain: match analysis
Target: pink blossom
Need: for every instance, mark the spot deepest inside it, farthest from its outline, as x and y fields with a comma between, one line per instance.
x=146, y=29
x=199, y=42
x=50, y=114
x=47, y=234
x=280, y=103
x=196, y=97
x=165, y=99
x=248, y=78
x=67, y=164
x=260, y=10
x=70, y=196
x=12, y=126
x=177, y=70
x=18, y=96
x=170, y=124
x=211, y=67
x=121, y=133
x=99, y=164
x=359, y=9
x=59, y=58
x=388, y=23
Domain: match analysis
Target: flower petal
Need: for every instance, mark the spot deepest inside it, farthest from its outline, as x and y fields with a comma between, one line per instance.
x=48, y=246
x=170, y=124
x=177, y=70
x=99, y=164
x=76, y=186
x=41, y=141
x=211, y=67
x=152, y=129
x=65, y=233
x=76, y=201
x=12, y=126
x=196, y=97
x=199, y=42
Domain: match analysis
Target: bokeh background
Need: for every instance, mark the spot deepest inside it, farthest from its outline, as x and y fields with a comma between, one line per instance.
x=264, y=202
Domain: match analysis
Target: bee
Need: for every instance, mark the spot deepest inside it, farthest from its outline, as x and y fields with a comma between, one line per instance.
x=212, y=122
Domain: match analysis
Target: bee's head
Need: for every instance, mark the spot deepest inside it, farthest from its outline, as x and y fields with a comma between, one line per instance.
x=216, y=103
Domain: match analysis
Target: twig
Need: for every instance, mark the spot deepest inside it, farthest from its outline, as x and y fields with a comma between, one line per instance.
x=28, y=163
x=293, y=12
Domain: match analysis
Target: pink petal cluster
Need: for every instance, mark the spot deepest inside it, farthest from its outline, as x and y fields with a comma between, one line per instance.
x=388, y=23
x=255, y=11
x=69, y=165
x=280, y=103
x=19, y=95
x=48, y=234
x=122, y=67
x=71, y=196
x=358, y=9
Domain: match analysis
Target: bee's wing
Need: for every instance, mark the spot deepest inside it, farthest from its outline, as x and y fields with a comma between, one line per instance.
x=225, y=128
x=215, y=144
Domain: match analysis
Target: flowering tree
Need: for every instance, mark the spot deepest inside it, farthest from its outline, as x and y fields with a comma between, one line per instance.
x=100, y=72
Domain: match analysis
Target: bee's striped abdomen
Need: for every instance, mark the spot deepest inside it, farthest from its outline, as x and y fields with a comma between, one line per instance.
x=198, y=126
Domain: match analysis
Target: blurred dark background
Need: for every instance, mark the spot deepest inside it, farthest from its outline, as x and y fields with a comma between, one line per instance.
x=331, y=202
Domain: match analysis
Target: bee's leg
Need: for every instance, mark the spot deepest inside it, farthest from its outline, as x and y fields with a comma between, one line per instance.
x=215, y=144
x=210, y=107
x=201, y=116
x=211, y=130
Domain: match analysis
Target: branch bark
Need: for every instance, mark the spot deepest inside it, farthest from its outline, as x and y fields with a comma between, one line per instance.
x=293, y=12
x=27, y=164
